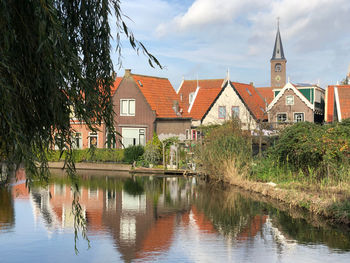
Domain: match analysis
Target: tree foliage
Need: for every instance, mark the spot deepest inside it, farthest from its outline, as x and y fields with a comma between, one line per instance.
x=54, y=61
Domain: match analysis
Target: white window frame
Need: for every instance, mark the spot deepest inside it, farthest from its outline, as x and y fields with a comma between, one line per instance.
x=131, y=110
x=234, y=115
x=298, y=113
x=93, y=134
x=223, y=107
x=290, y=96
x=278, y=113
x=79, y=136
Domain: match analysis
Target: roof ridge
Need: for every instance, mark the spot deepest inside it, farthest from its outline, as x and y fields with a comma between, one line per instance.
x=132, y=74
x=242, y=83
x=201, y=79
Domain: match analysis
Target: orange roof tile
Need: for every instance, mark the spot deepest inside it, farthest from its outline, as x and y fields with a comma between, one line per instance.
x=251, y=99
x=115, y=85
x=189, y=86
x=266, y=93
x=344, y=101
x=159, y=94
x=203, y=100
x=330, y=104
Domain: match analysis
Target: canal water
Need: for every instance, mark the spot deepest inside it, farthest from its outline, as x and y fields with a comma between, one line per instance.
x=148, y=219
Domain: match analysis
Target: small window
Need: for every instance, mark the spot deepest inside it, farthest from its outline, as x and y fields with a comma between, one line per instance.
x=250, y=94
x=127, y=107
x=187, y=134
x=290, y=100
x=194, y=133
x=93, y=139
x=235, y=111
x=281, y=117
x=298, y=117
x=222, y=112
x=139, y=81
x=78, y=141
x=190, y=97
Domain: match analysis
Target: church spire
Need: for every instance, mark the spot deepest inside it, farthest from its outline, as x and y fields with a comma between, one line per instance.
x=278, y=49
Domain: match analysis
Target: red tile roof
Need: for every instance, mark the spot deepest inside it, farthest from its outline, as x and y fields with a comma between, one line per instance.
x=159, y=94
x=330, y=104
x=344, y=101
x=266, y=93
x=203, y=100
x=115, y=85
x=189, y=86
x=252, y=99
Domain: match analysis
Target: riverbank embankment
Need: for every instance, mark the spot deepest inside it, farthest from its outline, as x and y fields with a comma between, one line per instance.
x=331, y=203
x=95, y=168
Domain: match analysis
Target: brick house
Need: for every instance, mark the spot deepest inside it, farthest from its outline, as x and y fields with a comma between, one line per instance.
x=337, y=106
x=296, y=103
x=84, y=137
x=144, y=105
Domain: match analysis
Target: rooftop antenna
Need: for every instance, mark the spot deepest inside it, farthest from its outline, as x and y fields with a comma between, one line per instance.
x=337, y=82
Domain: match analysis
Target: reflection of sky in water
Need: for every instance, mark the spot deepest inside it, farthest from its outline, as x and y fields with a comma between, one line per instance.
x=124, y=227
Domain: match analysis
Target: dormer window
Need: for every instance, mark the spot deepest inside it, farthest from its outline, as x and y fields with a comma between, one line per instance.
x=190, y=97
x=250, y=94
x=139, y=81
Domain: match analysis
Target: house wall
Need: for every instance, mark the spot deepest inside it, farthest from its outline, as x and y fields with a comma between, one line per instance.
x=144, y=115
x=173, y=127
x=84, y=130
x=281, y=107
x=229, y=98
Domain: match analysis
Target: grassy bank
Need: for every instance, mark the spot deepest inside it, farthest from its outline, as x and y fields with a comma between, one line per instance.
x=308, y=167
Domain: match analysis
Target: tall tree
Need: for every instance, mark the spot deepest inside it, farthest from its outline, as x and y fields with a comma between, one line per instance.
x=55, y=59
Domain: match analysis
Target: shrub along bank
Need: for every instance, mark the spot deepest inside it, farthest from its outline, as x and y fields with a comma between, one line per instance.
x=309, y=163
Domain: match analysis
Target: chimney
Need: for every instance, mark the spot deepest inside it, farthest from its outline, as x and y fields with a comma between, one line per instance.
x=127, y=72
x=251, y=83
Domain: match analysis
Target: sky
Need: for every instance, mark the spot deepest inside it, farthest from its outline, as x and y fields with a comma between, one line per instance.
x=206, y=38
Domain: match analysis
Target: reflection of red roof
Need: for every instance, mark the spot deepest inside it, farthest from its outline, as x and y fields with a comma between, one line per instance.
x=159, y=237
x=202, y=222
x=115, y=85
x=266, y=93
x=255, y=226
x=189, y=86
x=251, y=99
x=159, y=94
x=203, y=100
x=344, y=101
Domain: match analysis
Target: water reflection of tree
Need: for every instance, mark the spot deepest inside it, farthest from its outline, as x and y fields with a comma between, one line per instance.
x=7, y=215
x=228, y=210
x=233, y=212
x=304, y=233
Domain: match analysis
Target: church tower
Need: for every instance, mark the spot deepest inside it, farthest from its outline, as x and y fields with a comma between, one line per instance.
x=278, y=63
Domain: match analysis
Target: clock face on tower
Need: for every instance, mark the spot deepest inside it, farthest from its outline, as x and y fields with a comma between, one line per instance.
x=278, y=78
x=278, y=67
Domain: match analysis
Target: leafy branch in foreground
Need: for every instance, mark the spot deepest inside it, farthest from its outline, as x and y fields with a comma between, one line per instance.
x=54, y=62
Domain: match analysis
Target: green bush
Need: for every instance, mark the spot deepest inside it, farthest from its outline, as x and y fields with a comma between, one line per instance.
x=90, y=155
x=133, y=153
x=315, y=150
x=223, y=144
